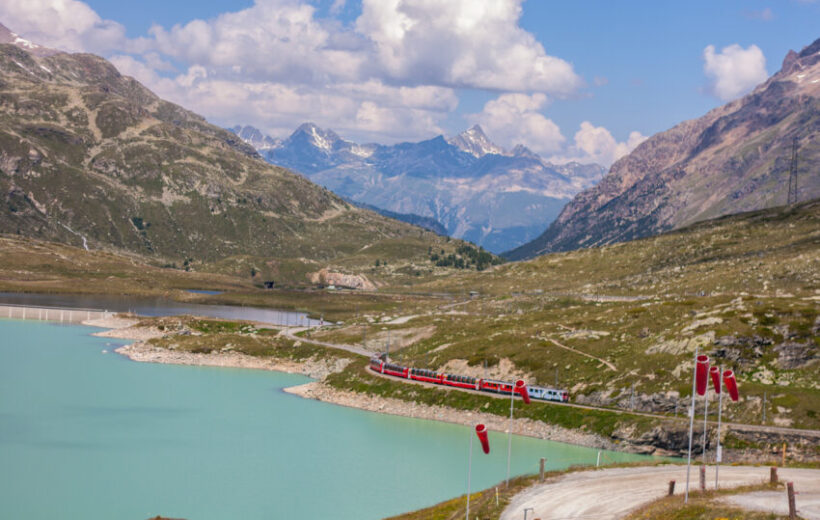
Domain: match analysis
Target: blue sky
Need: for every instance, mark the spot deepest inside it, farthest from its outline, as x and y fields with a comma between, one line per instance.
x=571, y=80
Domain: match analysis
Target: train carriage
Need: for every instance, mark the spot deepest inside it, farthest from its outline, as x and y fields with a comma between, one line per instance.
x=498, y=387
x=395, y=370
x=462, y=381
x=547, y=394
x=429, y=376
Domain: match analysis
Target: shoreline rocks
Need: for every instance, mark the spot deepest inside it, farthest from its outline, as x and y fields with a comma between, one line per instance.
x=312, y=367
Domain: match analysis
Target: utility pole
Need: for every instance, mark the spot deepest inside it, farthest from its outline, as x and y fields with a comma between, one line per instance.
x=632, y=398
x=792, y=196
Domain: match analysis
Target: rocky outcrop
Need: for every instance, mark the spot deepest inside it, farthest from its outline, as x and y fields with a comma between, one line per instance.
x=342, y=280
x=317, y=368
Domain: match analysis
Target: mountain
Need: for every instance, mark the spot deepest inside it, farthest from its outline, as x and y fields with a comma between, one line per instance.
x=475, y=142
x=473, y=187
x=735, y=158
x=254, y=137
x=93, y=158
x=8, y=37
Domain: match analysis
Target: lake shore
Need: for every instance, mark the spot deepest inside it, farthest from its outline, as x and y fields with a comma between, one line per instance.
x=526, y=427
x=319, y=369
x=146, y=353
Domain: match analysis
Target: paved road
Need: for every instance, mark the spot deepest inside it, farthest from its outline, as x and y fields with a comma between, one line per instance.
x=610, y=494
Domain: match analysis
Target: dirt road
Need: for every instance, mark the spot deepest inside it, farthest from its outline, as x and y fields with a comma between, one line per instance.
x=612, y=493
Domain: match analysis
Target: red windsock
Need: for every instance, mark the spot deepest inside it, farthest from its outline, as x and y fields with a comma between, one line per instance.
x=481, y=431
x=714, y=373
x=731, y=384
x=701, y=371
x=521, y=388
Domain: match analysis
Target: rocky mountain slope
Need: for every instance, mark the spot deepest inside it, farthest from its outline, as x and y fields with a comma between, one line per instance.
x=473, y=187
x=735, y=158
x=92, y=158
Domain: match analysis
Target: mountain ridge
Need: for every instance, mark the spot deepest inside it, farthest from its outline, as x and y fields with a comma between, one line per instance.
x=735, y=158
x=476, y=189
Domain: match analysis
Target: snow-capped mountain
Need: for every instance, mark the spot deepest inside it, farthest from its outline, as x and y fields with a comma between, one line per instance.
x=473, y=187
x=475, y=142
x=6, y=36
x=255, y=138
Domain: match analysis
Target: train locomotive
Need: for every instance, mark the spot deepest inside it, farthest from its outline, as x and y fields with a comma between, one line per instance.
x=471, y=383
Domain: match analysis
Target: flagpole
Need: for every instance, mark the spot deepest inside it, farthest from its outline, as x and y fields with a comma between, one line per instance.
x=509, y=436
x=469, y=472
x=718, y=454
x=705, y=414
x=691, y=427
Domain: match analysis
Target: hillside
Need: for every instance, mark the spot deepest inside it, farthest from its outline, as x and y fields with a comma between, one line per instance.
x=601, y=322
x=92, y=158
x=735, y=158
x=478, y=191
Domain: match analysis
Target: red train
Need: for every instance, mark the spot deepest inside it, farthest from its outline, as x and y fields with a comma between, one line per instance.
x=472, y=383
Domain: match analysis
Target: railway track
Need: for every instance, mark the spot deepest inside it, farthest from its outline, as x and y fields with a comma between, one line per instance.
x=355, y=349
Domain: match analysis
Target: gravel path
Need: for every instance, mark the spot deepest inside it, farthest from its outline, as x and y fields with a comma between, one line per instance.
x=613, y=493
x=354, y=349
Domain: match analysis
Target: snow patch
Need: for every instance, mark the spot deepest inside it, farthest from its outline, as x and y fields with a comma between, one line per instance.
x=22, y=67
x=319, y=140
x=361, y=151
x=23, y=42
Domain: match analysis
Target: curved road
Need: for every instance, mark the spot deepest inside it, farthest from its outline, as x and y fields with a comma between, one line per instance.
x=610, y=494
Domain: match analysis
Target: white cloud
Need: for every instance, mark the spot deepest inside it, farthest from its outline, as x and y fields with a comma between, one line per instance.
x=514, y=119
x=735, y=70
x=596, y=144
x=277, y=40
x=63, y=24
x=364, y=111
x=462, y=43
x=390, y=75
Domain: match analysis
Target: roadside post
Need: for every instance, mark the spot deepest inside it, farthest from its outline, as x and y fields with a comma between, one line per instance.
x=792, y=505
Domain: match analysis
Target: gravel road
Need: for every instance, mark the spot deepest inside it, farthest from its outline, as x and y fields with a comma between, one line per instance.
x=612, y=493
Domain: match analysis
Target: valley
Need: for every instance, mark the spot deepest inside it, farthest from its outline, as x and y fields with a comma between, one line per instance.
x=450, y=254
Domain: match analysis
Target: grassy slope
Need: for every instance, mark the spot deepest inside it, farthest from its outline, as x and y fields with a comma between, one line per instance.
x=86, y=152
x=751, y=277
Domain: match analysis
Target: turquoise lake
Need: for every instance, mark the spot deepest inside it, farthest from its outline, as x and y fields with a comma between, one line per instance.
x=88, y=434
